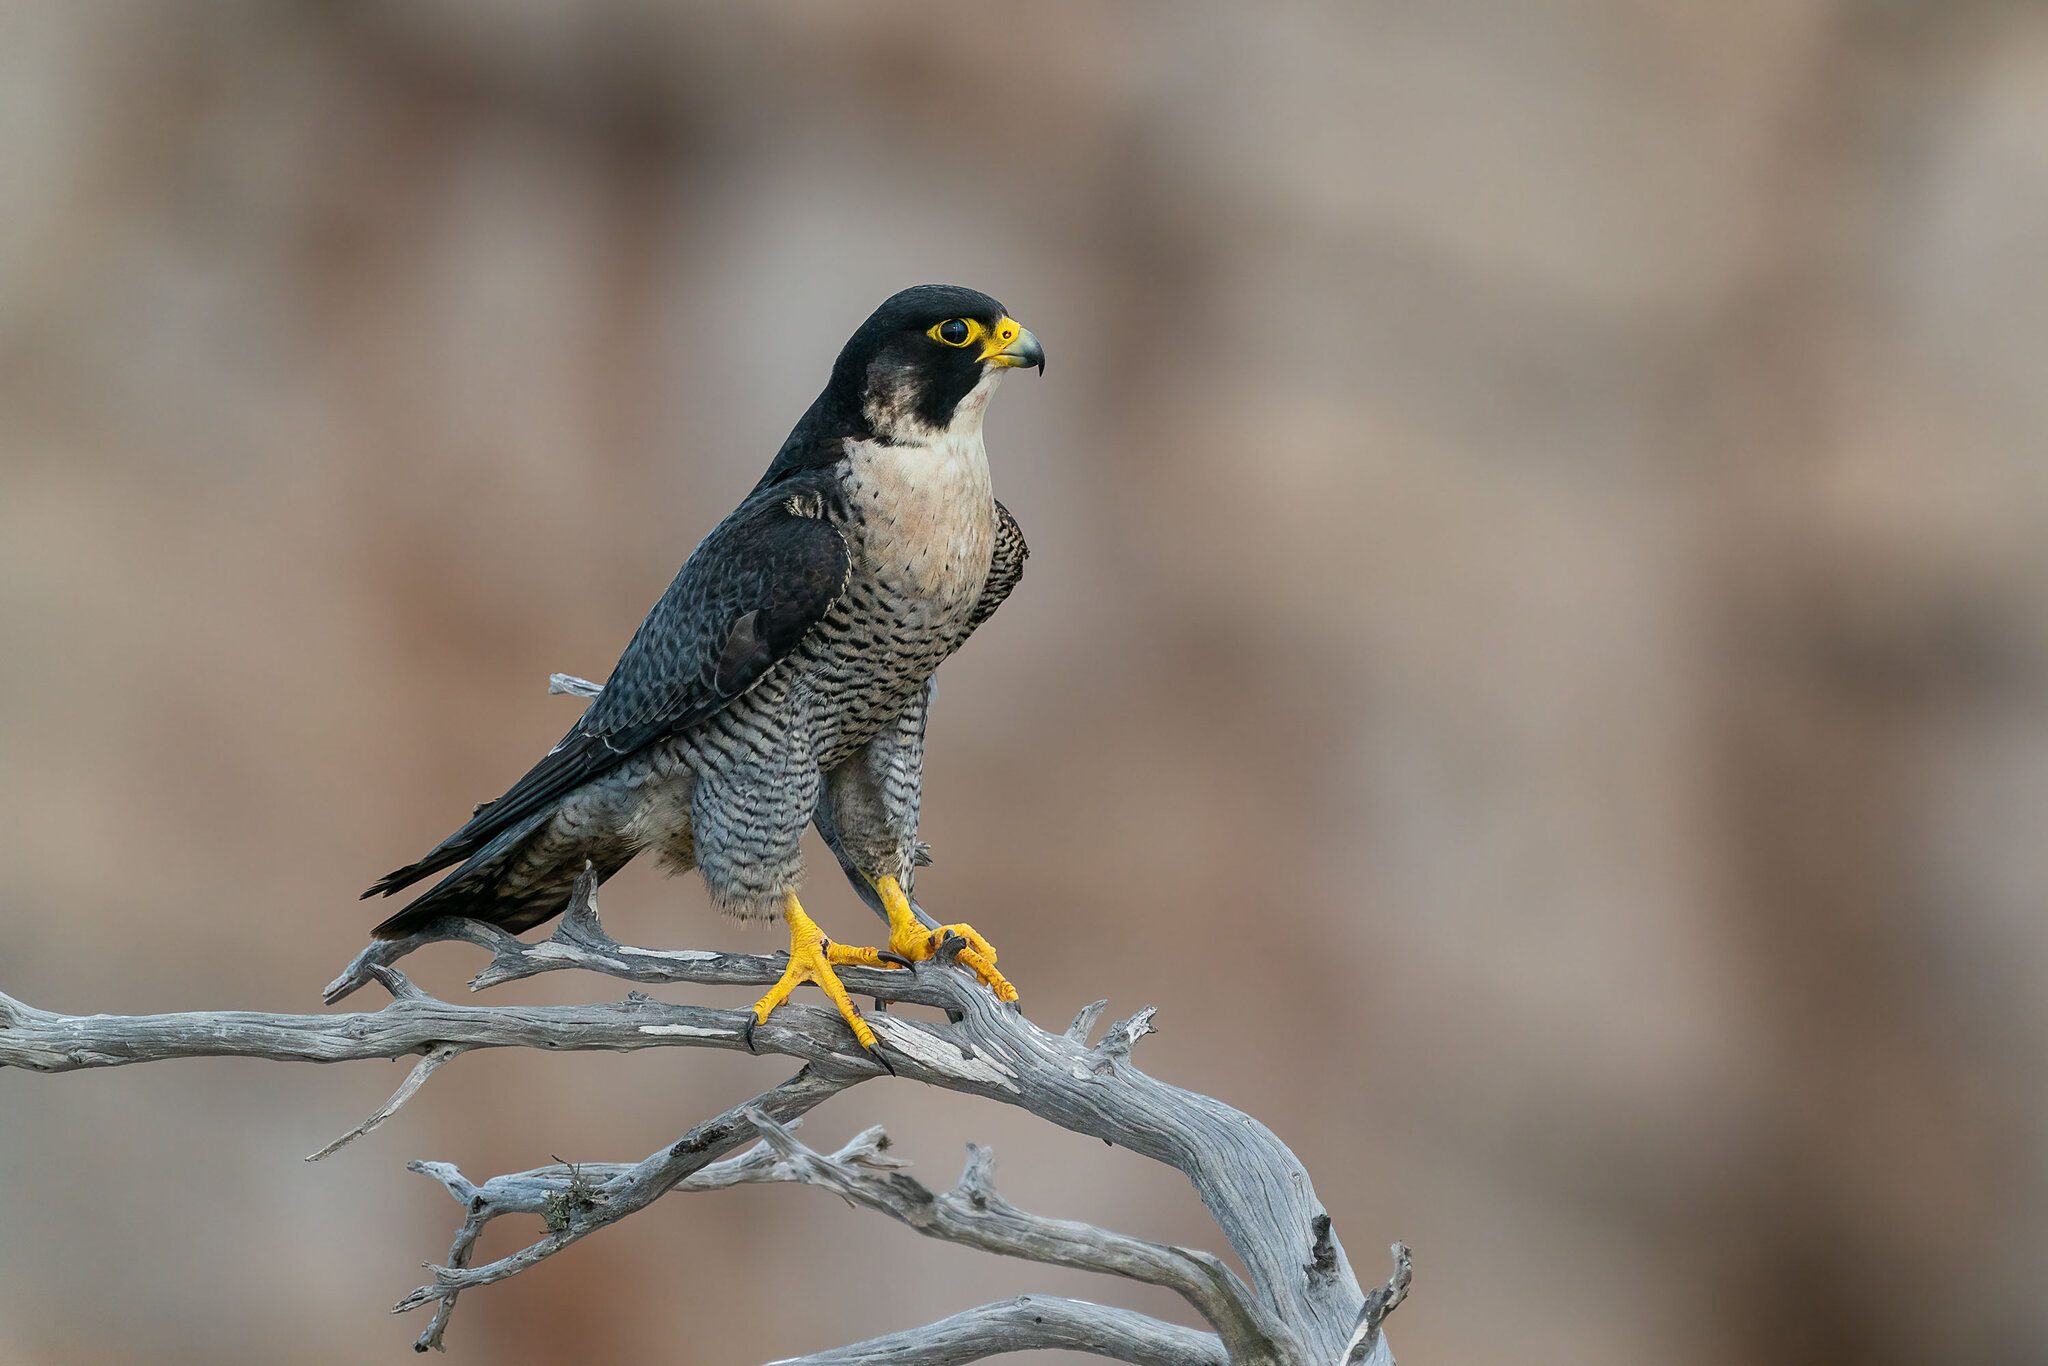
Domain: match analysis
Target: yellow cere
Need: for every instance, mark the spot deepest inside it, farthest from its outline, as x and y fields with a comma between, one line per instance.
x=1007, y=330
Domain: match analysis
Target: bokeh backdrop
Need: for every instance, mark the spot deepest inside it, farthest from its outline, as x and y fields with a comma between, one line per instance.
x=1540, y=513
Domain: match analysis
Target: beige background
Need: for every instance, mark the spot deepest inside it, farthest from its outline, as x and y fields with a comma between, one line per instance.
x=1540, y=514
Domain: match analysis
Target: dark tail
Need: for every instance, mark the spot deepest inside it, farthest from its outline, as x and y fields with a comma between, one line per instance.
x=473, y=895
x=485, y=888
x=446, y=854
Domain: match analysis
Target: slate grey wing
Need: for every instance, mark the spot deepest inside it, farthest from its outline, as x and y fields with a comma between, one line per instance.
x=745, y=598
x=1005, y=568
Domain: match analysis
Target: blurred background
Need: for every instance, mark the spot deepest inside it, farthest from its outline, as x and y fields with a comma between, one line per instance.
x=1540, y=516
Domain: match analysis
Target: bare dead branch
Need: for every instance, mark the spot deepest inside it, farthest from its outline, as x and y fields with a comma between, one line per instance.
x=1031, y=1323
x=974, y=1215
x=580, y=941
x=583, y=1204
x=1301, y=1303
x=42, y=1041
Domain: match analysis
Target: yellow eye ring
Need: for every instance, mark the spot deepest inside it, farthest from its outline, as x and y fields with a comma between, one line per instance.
x=955, y=332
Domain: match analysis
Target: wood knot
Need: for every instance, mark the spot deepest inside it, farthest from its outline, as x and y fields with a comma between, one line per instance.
x=1322, y=1255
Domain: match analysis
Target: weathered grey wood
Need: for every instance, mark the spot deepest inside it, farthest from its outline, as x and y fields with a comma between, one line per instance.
x=1368, y=1345
x=1300, y=1303
x=973, y=1214
x=573, y=686
x=581, y=1206
x=44, y=1042
x=432, y=1061
x=1030, y=1323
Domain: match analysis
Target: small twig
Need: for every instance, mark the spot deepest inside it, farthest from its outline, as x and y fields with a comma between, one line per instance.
x=459, y=1252
x=1117, y=1042
x=1368, y=1344
x=401, y=987
x=570, y=684
x=1084, y=1022
x=429, y=1064
x=361, y=970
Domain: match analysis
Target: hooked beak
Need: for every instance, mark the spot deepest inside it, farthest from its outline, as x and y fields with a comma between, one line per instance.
x=1011, y=344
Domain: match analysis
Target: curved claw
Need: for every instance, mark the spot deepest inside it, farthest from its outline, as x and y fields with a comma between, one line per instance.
x=983, y=965
x=813, y=958
x=747, y=1032
x=896, y=959
x=910, y=938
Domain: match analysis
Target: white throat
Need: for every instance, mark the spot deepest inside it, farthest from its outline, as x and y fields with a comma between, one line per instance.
x=973, y=408
x=944, y=468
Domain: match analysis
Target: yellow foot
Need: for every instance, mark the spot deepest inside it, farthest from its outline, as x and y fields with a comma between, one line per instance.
x=811, y=959
x=909, y=937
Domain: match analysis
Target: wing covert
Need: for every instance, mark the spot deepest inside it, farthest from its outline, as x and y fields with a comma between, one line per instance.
x=743, y=600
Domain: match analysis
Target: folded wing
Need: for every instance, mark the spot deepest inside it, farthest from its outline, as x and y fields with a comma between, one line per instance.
x=747, y=595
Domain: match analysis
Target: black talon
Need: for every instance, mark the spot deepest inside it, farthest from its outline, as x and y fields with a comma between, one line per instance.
x=880, y=1061
x=891, y=956
x=747, y=1032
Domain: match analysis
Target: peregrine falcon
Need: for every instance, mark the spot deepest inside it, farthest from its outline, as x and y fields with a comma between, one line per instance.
x=784, y=676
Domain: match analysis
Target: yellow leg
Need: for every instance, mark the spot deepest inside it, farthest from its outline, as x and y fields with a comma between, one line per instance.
x=909, y=937
x=811, y=959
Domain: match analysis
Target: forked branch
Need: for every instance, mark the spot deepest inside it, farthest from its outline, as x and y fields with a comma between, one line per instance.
x=1297, y=1303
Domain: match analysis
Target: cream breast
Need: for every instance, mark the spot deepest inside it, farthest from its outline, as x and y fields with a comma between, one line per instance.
x=927, y=514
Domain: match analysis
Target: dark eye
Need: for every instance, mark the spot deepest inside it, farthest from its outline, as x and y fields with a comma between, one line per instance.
x=954, y=332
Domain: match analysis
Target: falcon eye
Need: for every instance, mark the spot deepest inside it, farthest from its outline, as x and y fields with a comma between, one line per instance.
x=953, y=332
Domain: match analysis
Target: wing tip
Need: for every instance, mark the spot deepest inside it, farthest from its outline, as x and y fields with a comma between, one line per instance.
x=395, y=881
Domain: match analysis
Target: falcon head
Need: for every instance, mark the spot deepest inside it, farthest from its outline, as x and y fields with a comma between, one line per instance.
x=924, y=364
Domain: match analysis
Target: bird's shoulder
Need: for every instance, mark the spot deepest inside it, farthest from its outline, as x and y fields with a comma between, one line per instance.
x=745, y=596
